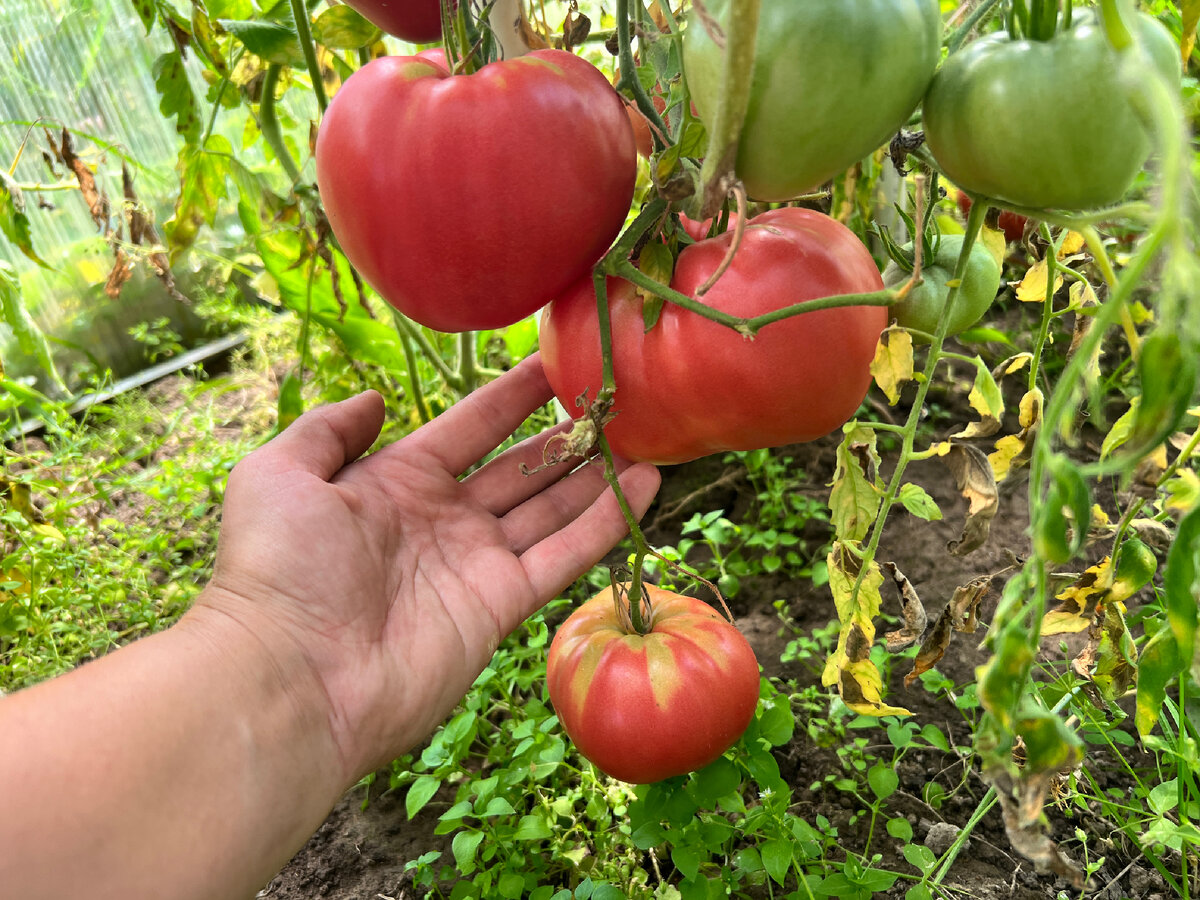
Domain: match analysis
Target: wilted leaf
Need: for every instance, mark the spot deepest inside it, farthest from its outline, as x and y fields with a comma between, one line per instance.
x=1181, y=584
x=1032, y=288
x=177, y=100
x=96, y=200
x=973, y=477
x=960, y=614
x=1158, y=667
x=856, y=492
x=1012, y=364
x=911, y=610
x=1072, y=243
x=893, y=362
x=1014, y=450
x=1077, y=603
x=1190, y=10
x=1109, y=660
x=1060, y=526
x=203, y=174
x=849, y=666
x=1167, y=371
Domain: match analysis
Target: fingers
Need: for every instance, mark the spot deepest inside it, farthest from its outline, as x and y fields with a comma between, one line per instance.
x=324, y=440
x=475, y=426
x=520, y=472
x=563, y=555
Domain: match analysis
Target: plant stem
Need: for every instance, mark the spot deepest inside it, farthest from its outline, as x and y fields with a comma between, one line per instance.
x=304, y=32
x=407, y=327
x=974, y=223
x=979, y=16
x=629, y=80
x=467, y=370
x=717, y=173
x=414, y=378
x=268, y=124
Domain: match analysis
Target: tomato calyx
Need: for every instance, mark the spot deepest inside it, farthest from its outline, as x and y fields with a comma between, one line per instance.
x=636, y=615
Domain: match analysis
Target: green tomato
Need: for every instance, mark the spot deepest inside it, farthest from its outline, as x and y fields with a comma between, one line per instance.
x=922, y=308
x=1043, y=124
x=832, y=81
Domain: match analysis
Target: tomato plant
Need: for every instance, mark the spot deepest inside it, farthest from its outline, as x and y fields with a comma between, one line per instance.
x=469, y=201
x=688, y=386
x=417, y=21
x=1043, y=123
x=922, y=308
x=644, y=707
x=831, y=83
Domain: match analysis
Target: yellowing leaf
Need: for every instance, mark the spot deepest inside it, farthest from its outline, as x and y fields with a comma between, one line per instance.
x=1072, y=243
x=993, y=240
x=893, y=362
x=1032, y=288
x=1008, y=448
x=1190, y=10
x=1011, y=365
x=985, y=398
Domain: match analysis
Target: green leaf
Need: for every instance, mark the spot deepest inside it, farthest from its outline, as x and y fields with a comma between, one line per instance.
x=1057, y=536
x=776, y=724
x=533, y=828
x=900, y=828
x=920, y=856
x=1119, y=433
x=510, y=886
x=883, y=780
x=1164, y=797
x=714, y=781
x=919, y=503
x=686, y=860
x=498, y=806
x=1159, y=665
x=1181, y=583
x=420, y=793
x=464, y=847
x=13, y=222
x=177, y=100
x=276, y=42
x=30, y=337
x=342, y=28
x=776, y=859
x=1167, y=371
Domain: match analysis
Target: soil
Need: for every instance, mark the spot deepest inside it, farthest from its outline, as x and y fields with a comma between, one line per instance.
x=360, y=851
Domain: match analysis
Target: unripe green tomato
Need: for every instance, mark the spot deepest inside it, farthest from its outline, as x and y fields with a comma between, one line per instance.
x=922, y=308
x=1044, y=123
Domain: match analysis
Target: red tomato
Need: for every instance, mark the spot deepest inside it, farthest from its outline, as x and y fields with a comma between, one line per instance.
x=416, y=21
x=690, y=387
x=469, y=201
x=645, y=707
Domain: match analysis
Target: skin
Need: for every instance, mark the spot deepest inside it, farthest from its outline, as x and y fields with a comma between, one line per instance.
x=353, y=603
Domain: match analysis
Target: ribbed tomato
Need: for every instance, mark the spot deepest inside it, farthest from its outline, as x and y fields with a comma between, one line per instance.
x=689, y=387
x=644, y=707
x=469, y=201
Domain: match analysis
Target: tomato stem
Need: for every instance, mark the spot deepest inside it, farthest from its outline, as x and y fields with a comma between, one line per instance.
x=268, y=124
x=629, y=80
x=304, y=32
x=979, y=16
x=717, y=173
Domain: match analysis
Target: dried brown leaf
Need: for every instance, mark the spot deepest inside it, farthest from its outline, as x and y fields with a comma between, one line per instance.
x=973, y=477
x=912, y=610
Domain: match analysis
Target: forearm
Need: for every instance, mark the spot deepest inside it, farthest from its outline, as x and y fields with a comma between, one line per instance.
x=191, y=764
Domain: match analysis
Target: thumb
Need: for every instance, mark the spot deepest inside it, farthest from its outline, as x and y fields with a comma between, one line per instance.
x=324, y=440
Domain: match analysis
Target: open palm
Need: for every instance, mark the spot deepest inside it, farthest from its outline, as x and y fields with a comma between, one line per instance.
x=396, y=576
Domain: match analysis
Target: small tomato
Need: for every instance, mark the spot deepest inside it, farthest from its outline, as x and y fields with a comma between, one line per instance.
x=644, y=707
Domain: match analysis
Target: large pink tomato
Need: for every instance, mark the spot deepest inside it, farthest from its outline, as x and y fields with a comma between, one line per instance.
x=689, y=387
x=469, y=201
x=644, y=707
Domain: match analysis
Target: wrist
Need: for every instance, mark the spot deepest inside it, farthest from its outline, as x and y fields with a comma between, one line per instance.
x=272, y=682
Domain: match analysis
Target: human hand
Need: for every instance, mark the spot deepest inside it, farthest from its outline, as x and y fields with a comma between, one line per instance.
x=391, y=578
